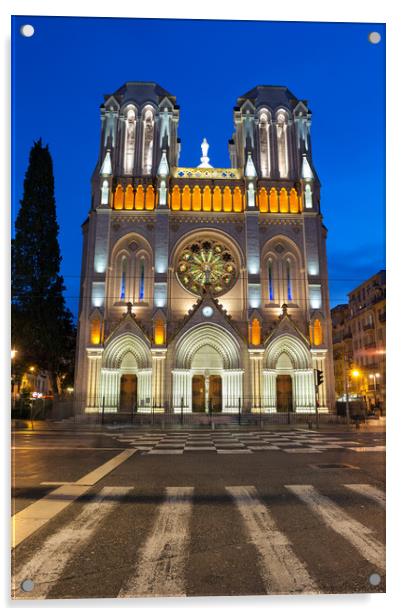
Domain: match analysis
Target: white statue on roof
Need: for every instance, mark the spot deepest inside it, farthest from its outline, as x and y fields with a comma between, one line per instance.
x=204, y=158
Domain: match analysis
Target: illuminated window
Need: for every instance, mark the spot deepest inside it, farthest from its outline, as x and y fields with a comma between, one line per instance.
x=95, y=331
x=196, y=199
x=265, y=162
x=105, y=193
x=308, y=197
x=293, y=202
x=317, y=332
x=273, y=200
x=139, y=198
x=142, y=280
x=129, y=146
x=150, y=198
x=283, y=201
x=237, y=200
x=129, y=200
x=288, y=280
x=281, y=139
x=206, y=199
x=255, y=332
x=176, y=198
x=270, y=281
x=227, y=199
x=186, y=199
x=159, y=332
x=123, y=278
x=118, y=198
x=148, y=142
x=217, y=199
x=263, y=200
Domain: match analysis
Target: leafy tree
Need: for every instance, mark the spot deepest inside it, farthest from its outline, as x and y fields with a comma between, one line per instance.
x=42, y=326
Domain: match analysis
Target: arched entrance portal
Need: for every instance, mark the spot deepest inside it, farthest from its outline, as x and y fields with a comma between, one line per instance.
x=207, y=376
x=288, y=381
x=126, y=375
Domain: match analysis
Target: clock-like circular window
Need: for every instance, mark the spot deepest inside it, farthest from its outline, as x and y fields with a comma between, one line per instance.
x=207, y=263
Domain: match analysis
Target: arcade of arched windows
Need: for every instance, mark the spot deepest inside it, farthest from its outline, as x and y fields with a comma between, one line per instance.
x=282, y=201
x=139, y=198
x=208, y=199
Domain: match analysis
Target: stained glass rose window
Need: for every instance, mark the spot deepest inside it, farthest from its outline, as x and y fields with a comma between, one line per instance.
x=207, y=262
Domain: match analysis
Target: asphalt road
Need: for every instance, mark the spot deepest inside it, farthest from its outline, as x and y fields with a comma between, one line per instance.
x=196, y=513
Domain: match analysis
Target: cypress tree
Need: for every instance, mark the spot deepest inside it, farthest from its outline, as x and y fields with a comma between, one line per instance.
x=42, y=325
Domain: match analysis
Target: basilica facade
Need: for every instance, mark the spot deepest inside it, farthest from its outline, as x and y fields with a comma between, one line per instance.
x=202, y=288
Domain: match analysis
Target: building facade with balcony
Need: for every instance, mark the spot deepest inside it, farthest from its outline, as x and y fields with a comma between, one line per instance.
x=204, y=288
x=359, y=337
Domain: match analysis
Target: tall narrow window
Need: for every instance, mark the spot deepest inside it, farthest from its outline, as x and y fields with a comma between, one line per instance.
x=265, y=162
x=308, y=197
x=270, y=282
x=123, y=278
x=105, y=193
x=148, y=142
x=142, y=280
x=129, y=145
x=289, y=280
x=281, y=138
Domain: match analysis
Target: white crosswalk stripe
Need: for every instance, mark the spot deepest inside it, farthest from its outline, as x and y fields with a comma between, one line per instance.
x=161, y=566
x=342, y=523
x=162, y=563
x=282, y=571
x=47, y=563
x=371, y=492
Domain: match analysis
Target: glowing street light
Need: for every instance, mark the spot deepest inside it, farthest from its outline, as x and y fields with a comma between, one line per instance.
x=355, y=373
x=13, y=353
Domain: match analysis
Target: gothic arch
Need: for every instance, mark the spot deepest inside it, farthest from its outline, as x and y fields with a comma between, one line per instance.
x=291, y=346
x=118, y=348
x=211, y=335
x=276, y=254
x=131, y=247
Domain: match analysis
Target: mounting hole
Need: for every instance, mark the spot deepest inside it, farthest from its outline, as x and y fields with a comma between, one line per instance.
x=27, y=585
x=374, y=37
x=374, y=579
x=27, y=30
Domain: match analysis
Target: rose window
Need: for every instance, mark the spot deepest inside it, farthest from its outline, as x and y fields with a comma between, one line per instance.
x=207, y=263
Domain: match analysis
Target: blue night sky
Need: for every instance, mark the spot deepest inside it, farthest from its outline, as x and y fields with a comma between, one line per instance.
x=62, y=72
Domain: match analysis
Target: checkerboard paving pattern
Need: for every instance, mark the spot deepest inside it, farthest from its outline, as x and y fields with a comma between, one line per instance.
x=243, y=442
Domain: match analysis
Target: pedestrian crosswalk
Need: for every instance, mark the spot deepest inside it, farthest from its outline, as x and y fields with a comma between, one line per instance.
x=239, y=442
x=279, y=526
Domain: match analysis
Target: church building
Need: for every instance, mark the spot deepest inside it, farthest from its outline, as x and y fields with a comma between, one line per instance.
x=204, y=289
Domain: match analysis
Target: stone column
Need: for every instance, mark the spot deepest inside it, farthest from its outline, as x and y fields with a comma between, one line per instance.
x=158, y=378
x=256, y=356
x=93, y=388
x=304, y=393
x=269, y=391
x=144, y=390
x=182, y=389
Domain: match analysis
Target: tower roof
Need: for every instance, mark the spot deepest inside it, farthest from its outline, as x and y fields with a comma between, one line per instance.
x=141, y=92
x=273, y=96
